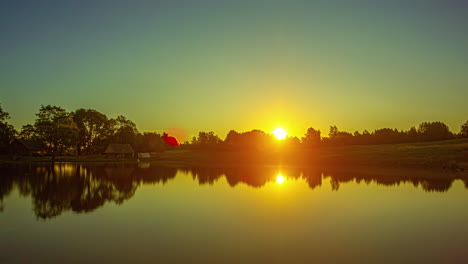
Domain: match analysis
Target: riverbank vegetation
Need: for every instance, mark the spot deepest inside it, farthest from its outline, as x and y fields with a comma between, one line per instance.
x=83, y=134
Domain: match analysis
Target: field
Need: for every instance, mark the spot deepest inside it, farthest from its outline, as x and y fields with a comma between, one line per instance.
x=450, y=155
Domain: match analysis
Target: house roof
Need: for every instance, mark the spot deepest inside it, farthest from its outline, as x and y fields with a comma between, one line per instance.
x=28, y=144
x=114, y=148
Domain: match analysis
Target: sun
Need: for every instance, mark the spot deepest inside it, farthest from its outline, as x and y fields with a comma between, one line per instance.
x=280, y=179
x=280, y=133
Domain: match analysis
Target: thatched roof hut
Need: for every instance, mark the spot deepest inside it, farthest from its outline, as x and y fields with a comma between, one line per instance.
x=119, y=150
x=24, y=147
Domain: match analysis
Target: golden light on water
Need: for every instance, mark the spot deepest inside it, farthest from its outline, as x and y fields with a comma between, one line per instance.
x=280, y=179
x=280, y=133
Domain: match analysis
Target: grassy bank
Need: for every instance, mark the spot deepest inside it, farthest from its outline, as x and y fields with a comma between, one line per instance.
x=84, y=158
x=450, y=154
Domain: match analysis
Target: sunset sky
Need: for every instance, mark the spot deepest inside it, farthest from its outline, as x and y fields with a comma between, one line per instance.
x=242, y=65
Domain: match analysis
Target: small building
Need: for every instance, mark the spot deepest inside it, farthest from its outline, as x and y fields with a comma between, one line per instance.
x=24, y=147
x=119, y=150
x=144, y=155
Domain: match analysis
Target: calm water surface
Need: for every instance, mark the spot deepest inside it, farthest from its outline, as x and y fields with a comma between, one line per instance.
x=128, y=213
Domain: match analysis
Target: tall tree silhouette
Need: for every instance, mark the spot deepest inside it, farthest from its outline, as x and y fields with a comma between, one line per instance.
x=432, y=131
x=7, y=131
x=312, y=138
x=125, y=130
x=206, y=140
x=92, y=128
x=464, y=130
x=55, y=129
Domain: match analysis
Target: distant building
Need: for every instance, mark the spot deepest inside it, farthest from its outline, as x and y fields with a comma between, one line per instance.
x=144, y=155
x=119, y=150
x=24, y=147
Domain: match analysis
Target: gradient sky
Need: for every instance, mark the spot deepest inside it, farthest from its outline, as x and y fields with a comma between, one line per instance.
x=221, y=65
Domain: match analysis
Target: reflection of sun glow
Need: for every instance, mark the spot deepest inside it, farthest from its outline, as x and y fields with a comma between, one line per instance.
x=280, y=133
x=280, y=179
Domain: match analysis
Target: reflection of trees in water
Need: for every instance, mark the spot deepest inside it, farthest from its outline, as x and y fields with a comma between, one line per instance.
x=438, y=185
x=85, y=187
x=252, y=176
x=79, y=188
x=10, y=178
x=429, y=181
x=6, y=186
x=204, y=175
x=259, y=176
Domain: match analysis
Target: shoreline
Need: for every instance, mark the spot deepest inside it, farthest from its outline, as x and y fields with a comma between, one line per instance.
x=451, y=155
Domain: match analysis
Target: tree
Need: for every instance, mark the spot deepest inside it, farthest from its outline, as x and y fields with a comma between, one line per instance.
x=91, y=128
x=464, y=130
x=388, y=135
x=255, y=140
x=292, y=142
x=7, y=131
x=206, y=140
x=433, y=131
x=412, y=135
x=312, y=138
x=231, y=138
x=339, y=137
x=125, y=130
x=150, y=142
x=3, y=115
x=28, y=132
x=55, y=129
x=333, y=131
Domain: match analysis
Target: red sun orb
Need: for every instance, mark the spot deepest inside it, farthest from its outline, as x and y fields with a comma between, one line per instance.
x=172, y=141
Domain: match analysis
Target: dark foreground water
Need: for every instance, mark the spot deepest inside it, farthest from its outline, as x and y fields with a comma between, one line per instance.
x=127, y=213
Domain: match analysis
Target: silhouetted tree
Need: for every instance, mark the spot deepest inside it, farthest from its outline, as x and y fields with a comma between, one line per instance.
x=7, y=131
x=312, y=138
x=337, y=137
x=433, y=131
x=206, y=140
x=412, y=135
x=292, y=142
x=91, y=128
x=152, y=142
x=464, y=130
x=255, y=140
x=366, y=137
x=55, y=129
x=125, y=130
x=333, y=131
x=3, y=115
x=231, y=139
x=28, y=132
x=387, y=136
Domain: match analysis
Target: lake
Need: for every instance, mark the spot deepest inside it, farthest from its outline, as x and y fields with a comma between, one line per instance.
x=144, y=213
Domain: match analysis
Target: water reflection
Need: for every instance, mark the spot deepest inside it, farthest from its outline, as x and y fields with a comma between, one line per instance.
x=84, y=187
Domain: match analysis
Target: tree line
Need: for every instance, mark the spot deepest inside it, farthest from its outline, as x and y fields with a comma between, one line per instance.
x=88, y=131
x=259, y=140
x=84, y=131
